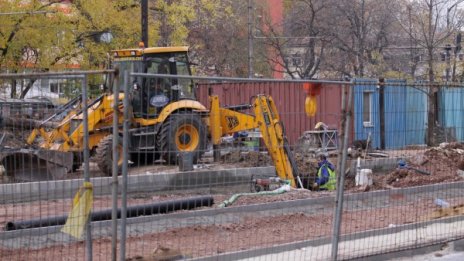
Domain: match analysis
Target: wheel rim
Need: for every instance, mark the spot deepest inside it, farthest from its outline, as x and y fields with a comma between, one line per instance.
x=187, y=137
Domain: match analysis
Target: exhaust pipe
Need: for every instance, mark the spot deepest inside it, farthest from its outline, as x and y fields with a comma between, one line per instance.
x=133, y=211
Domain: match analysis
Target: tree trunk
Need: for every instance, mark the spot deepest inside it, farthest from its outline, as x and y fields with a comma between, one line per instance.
x=28, y=87
x=431, y=118
x=13, y=89
x=433, y=90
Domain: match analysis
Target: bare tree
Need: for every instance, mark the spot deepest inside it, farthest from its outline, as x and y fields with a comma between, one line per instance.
x=360, y=29
x=297, y=46
x=429, y=26
x=218, y=40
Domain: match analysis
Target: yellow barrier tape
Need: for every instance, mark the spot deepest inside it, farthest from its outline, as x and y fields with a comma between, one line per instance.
x=77, y=218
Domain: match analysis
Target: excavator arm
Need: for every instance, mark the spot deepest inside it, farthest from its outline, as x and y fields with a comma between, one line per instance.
x=224, y=121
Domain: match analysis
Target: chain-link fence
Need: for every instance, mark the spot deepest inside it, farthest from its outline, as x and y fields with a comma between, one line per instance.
x=216, y=168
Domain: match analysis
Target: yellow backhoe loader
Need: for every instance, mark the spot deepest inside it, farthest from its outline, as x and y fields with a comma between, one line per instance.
x=165, y=118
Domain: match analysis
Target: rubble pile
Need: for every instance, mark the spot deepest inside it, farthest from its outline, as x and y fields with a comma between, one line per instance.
x=442, y=163
x=307, y=165
x=13, y=137
x=247, y=159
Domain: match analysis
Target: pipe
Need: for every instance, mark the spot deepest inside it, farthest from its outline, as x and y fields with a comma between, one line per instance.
x=338, y=210
x=125, y=158
x=133, y=211
x=85, y=123
x=114, y=185
x=51, y=74
x=26, y=123
x=299, y=181
x=284, y=188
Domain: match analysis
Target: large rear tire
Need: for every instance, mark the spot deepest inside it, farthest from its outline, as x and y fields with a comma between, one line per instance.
x=182, y=132
x=104, y=155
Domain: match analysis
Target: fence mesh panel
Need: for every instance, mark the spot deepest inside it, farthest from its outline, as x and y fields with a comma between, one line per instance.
x=187, y=195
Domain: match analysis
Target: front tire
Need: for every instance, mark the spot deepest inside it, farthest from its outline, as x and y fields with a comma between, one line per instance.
x=182, y=132
x=104, y=155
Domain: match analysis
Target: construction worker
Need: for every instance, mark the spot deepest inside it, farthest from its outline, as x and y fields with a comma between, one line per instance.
x=326, y=178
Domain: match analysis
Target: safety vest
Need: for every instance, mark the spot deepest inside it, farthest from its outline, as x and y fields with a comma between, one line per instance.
x=331, y=183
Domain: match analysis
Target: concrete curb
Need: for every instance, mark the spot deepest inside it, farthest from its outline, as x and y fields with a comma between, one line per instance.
x=151, y=182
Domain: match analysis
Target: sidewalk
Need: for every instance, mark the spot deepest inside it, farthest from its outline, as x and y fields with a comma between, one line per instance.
x=383, y=247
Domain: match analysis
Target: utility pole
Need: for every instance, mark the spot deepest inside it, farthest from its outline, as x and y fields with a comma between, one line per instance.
x=144, y=22
x=457, y=49
x=250, y=38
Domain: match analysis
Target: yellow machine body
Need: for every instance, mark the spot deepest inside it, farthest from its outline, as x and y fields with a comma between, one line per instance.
x=171, y=126
x=224, y=121
x=100, y=121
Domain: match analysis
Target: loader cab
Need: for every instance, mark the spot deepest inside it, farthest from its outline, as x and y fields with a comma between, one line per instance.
x=151, y=94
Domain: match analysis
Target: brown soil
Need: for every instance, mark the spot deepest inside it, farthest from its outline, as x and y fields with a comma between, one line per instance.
x=247, y=159
x=306, y=164
x=253, y=231
x=442, y=163
x=247, y=233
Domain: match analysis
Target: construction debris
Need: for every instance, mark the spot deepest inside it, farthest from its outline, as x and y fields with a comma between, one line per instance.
x=444, y=163
x=447, y=212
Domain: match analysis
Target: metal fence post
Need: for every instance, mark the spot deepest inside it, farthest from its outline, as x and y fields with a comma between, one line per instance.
x=88, y=236
x=114, y=191
x=125, y=149
x=337, y=219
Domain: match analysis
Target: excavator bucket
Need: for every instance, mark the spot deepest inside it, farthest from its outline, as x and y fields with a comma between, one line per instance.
x=23, y=165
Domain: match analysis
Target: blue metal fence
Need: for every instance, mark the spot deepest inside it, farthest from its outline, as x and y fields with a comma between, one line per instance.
x=452, y=105
x=404, y=113
x=361, y=128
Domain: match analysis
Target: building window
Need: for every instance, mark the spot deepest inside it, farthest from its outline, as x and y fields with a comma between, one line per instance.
x=296, y=59
x=287, y=60
x=367, y=109
x=55, y=88
x=443, y=57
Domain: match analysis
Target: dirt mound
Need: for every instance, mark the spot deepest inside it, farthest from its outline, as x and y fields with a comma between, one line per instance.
x=440, y=162
x=306, y=164
x=410, y=178
x=247, y=159
x=461, y=165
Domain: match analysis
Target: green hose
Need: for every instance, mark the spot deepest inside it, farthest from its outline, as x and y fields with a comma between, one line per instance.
x=284, y=188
